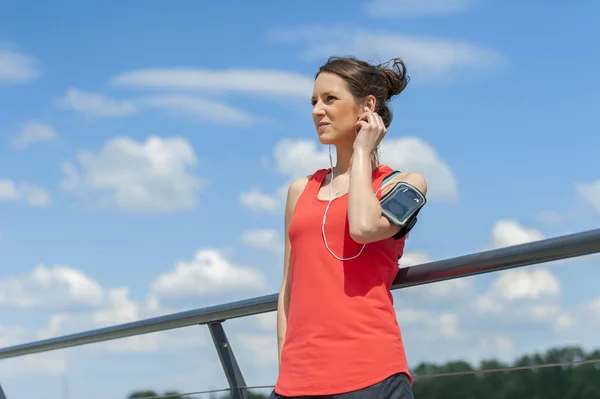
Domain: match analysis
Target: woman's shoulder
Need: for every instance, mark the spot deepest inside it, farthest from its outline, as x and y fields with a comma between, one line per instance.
x=297, y=186
x=392, y=177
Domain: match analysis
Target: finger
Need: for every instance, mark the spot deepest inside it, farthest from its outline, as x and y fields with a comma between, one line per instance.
x=363, y=116
x=362, y=124
x=379, y=122
x=371, y=119
x=376, y=118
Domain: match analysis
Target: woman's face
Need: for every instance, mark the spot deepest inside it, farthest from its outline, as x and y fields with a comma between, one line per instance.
x=335, y=111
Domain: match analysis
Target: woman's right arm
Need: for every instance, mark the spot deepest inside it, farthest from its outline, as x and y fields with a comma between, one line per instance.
x=283, y=302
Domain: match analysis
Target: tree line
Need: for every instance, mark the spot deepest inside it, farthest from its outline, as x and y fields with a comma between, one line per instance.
x=559, y=382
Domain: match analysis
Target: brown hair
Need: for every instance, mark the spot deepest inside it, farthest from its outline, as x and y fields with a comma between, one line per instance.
x=363, y=79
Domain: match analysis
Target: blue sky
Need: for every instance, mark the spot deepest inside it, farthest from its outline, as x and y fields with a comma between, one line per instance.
x=145, y=147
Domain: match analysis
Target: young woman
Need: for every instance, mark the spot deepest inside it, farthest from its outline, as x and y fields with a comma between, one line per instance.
x=336, y=324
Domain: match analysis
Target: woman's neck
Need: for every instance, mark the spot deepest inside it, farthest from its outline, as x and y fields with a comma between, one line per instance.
x=344, y=158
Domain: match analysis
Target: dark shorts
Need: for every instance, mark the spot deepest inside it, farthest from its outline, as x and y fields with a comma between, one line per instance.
x=395, y=387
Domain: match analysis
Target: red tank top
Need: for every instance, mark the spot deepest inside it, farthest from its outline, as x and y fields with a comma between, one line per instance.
x=342, y=333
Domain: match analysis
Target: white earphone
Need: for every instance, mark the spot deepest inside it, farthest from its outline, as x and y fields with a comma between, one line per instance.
x=333, y=196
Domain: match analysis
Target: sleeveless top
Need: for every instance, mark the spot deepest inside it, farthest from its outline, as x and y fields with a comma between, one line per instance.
x=342, y=333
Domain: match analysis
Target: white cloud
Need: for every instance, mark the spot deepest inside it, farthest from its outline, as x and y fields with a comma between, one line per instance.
x=200, y=108
x=536, y=289
x=530, y=295
x=416, y=8
x=16, y=67
x=54, y=363
x=458, y=288
x=254, y=81
x=449, y=326
x=32, y=133
x=50, y=287
x=495, y=346
x=521, y=284
x=96, y=105
x=10, y=335
x=55, y=325
x=264, y=239
x=81, y=302
x=594, y=307
x=432, y=325
x=16, y=192
x=256, y=200
x=293, y=158
x=415, y=155
x=564, y=322
x=581, y=319
x=261, y=349
x=301, y=157
x=414, y=258
x=590, y=193
x=268, y=321
x=119, y=308
x=508, y=232
x=523, y=296
x=209, y=273
x=149, y=176
x=116, y=307
x=425, y=57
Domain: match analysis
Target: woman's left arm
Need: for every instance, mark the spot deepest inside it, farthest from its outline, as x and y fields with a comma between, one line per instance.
x=366, y=222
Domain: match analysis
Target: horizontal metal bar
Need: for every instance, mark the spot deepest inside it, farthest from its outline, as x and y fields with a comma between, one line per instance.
x=528, y=254
x=206, y=315
x=551, y=249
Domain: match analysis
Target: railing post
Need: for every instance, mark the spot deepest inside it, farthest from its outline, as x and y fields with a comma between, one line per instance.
x=230, y=365
x=2, y=395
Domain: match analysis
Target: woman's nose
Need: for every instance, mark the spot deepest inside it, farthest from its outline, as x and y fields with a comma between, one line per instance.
x=317, y=110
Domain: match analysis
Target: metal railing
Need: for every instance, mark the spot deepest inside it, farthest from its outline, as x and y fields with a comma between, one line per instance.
x=552, y=249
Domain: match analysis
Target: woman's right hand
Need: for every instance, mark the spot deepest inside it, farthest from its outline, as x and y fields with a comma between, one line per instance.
x=371, y=131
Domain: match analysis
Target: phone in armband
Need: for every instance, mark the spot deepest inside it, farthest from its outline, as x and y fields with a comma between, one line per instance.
x=401, y=205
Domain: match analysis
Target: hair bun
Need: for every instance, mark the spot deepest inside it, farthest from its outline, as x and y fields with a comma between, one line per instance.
x=394, y=76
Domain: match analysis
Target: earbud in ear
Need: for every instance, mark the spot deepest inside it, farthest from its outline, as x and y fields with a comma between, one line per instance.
x=366, y=108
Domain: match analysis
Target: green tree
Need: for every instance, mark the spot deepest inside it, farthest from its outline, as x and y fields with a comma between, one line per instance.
x=254, y=395
x=559, y=382
x=142, y=394
x=147, y=394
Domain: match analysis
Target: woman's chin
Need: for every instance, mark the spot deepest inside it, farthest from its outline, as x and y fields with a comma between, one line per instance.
x=327, y=138
x=323, y=139
x=332, y=139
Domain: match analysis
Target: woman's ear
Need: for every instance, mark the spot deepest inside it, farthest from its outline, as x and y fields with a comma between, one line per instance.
x=370, y=103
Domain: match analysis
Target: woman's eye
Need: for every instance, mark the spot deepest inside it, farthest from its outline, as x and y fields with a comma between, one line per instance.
x=327, y=100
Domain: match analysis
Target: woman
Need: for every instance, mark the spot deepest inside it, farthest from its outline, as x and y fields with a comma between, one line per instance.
x=337, y=328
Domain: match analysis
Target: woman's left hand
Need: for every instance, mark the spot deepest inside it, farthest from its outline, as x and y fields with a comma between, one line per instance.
x=370, y=132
